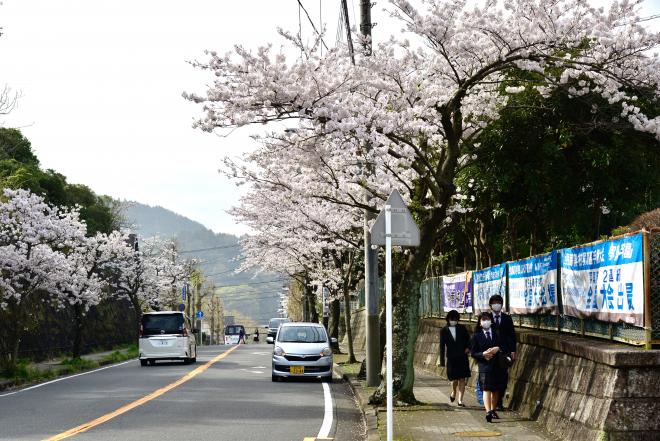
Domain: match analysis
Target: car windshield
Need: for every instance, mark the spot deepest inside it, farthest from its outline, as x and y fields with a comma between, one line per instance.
x=234, y=329
x=156, y=324
x=276, y=322
x=302, y=334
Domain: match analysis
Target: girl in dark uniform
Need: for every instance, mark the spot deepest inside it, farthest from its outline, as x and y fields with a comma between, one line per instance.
x=456, y=339
x=485, y=346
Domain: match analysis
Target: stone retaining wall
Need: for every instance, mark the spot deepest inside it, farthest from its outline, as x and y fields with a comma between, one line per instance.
x=580, y=389
x=357, y=326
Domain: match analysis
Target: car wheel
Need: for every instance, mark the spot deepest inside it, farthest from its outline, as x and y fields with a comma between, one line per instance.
x=143, y=362
x=275, y=378
x=194, y=359
x=152, y=362
x=327, y=379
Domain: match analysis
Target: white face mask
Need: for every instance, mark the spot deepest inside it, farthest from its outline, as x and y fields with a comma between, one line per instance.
x=453, y=322
x=497, y=307
x=485, y=324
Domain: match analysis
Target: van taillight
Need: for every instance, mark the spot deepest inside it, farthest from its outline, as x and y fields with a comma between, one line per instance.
x=184, y=332
x=141, y=330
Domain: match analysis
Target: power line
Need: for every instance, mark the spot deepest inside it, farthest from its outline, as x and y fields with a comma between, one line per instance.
x=250, y=284
x=222, y=247
x=312, y=23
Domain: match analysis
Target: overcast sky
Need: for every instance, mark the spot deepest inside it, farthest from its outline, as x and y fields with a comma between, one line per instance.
x=101, y=85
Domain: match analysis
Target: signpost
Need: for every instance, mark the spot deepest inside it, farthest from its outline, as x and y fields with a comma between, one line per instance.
x=394, y=226
x=199, y=315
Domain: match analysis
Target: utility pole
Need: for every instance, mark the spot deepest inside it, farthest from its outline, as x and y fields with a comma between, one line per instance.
x=371, y=291
x=198, y=291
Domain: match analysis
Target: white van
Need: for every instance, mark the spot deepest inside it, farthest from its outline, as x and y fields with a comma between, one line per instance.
x=166, y=335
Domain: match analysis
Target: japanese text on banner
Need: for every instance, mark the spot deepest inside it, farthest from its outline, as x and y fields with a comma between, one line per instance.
x=605, y=281
x=533, y=285
x=457, y=292
x=486, y=283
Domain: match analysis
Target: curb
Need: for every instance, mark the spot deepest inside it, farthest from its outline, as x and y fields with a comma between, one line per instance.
x=369, y=413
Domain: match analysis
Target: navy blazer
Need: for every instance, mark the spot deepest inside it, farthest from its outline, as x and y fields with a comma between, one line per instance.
x=455, y=347
x=479, y=344
x=507, y=332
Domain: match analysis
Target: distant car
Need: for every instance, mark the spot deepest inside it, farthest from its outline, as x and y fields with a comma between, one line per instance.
x=166, y=335
x=302, y=350
x=273, y=326
x=232, y=332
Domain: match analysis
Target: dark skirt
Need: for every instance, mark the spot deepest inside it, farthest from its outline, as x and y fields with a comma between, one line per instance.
x=458, y=367
x=492, y=381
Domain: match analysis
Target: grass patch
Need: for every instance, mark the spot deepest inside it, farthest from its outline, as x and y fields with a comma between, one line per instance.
x=23, y=372
x=128, y=352
x=78, y=364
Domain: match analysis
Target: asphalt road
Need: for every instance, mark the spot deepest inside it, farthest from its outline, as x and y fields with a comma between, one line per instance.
x=231, y=399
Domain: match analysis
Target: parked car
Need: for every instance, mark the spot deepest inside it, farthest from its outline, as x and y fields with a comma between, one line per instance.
x=302, y=350
x=166, y=335
x=232, y=332
x=273, y=326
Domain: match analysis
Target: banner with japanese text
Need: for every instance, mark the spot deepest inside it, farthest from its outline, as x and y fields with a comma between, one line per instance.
x=457, y=292
x=533, y=285
x=605, y=281
x=486, y=283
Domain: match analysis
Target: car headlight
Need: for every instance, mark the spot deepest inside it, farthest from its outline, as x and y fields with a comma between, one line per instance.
x=326, y=352
x=278, y=351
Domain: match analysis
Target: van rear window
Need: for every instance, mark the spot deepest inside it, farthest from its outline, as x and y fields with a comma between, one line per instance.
x=156, y=324
x=233, y=329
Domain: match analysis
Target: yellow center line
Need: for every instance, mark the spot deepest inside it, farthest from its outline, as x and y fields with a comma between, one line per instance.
x=155, y=394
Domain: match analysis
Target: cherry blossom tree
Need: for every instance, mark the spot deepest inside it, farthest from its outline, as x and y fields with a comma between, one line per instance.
x=34, y=269
x=410, y=115
x=88, y=277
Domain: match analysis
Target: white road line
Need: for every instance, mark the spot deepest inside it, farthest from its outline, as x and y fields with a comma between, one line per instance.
x=64, y=378
x=327, y=417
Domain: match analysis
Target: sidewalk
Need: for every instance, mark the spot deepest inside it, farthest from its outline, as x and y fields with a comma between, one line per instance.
x=439, y=420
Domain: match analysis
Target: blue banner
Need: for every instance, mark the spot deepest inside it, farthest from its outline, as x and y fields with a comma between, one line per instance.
x=605, y=280
x=533, y=285
x=486, y=283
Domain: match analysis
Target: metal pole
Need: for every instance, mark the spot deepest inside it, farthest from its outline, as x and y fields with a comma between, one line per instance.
x=388, y=306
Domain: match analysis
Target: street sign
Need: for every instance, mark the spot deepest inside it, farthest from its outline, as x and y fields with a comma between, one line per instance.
x=405, y=231
x=199, y=314
x=182, y=307
x=394, y=226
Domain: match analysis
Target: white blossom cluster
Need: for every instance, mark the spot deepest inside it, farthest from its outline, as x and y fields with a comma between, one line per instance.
x=45, y=256
x=403, y=117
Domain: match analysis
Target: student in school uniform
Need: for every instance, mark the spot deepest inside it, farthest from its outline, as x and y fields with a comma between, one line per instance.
x=485, y=346
x=455, y=344
x=503, y=324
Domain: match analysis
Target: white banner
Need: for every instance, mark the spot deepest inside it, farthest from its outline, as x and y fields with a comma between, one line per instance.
x=533, y=285
x=486, y=283
x=605, y=281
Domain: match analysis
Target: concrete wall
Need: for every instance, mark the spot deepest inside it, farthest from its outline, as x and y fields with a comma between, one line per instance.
x=580, y=389
x=357, y=326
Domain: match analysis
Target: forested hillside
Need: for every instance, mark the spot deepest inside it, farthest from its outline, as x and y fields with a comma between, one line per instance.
x=252, y=295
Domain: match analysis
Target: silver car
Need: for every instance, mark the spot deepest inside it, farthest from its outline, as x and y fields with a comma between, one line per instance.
x=302, y=350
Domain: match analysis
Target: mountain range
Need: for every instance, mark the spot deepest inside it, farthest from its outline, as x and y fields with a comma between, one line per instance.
x=252, y=294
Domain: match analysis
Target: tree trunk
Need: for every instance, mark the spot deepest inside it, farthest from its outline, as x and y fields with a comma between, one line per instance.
x=349, y=329
x=333, y=323
x=406, y=314
x=79, y=317
x=313, y=313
